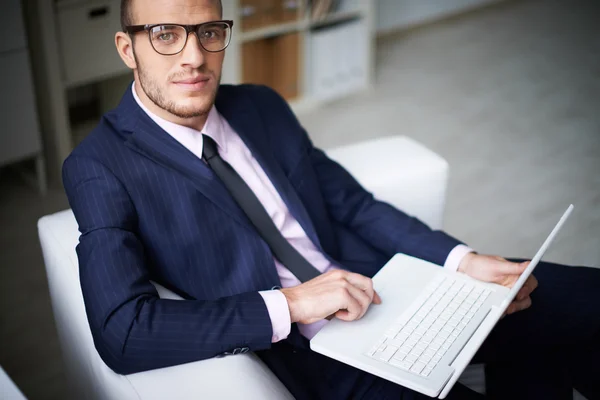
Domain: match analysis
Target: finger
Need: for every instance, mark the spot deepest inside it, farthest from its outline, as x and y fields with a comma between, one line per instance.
x=528, y=287
x=520, y=305
x=533, y=282
x=361, y=282
x=361, y=297
x=376, y=298
x=510, y=268
x=350, y=308
x=523, y=293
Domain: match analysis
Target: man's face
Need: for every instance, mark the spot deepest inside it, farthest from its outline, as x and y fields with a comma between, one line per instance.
x=184, y=84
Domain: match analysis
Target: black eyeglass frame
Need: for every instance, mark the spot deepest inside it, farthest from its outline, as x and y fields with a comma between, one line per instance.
x=132, y=29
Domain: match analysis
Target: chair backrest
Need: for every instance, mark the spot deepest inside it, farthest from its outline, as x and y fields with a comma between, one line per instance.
x=400, y=172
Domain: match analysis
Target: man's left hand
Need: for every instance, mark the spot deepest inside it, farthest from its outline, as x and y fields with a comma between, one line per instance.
x=503, y=272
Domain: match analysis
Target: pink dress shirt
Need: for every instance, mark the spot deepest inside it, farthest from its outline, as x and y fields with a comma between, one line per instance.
x=233, y=150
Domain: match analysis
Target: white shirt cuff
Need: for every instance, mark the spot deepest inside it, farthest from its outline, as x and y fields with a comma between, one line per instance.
x=456, y=255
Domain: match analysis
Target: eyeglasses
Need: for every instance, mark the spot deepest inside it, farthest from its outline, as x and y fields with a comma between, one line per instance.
x=170, y=39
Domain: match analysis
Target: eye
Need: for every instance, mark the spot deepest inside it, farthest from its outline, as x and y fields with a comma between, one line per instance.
x=210, y=34
x=166, y=37
x=165, y=34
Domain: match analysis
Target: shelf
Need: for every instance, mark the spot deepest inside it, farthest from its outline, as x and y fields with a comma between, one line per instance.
x=272, y=30
x=299, y=25
x=336, y=17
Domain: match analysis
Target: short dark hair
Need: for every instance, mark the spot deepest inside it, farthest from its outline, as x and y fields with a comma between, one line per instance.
x=126, y=17
x=127, y=14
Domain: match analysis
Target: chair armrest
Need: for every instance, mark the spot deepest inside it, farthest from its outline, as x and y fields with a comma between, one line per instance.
x=241, y=376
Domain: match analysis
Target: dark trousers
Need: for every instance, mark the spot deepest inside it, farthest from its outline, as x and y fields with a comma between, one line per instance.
x=540, y=353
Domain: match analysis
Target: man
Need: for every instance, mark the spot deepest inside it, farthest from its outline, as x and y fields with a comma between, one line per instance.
x=151, y=188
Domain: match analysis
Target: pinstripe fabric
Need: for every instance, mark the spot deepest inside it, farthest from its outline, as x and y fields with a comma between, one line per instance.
x=148, y=209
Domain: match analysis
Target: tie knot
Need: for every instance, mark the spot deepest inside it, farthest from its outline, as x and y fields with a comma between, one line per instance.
x=209, y=147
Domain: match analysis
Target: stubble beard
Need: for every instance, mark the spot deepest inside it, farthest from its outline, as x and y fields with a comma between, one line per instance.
x=156, y=95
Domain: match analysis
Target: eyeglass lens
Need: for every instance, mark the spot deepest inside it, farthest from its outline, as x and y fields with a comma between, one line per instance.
x=171, y=39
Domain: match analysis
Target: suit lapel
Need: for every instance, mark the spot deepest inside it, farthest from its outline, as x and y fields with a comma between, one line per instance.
x=151, y=141
x=244, y=118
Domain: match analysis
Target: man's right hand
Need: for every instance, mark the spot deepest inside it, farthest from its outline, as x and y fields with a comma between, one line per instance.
x=338, y=293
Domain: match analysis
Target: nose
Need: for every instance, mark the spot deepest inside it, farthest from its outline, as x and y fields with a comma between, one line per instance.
x=192, y=54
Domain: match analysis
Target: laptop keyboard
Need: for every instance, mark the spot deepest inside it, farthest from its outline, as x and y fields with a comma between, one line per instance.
x=417, y=341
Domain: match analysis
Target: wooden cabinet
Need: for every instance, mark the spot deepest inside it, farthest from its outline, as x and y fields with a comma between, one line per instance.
x=274, y=62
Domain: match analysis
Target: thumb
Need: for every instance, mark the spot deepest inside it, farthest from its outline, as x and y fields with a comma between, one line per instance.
x=376, y=298
x=510, y=268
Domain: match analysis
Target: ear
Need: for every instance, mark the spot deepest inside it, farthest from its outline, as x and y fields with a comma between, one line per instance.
x=125, y=48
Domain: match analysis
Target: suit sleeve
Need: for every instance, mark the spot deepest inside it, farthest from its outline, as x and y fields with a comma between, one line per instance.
x=378, y=223
x=133, y=329
x=384, y=227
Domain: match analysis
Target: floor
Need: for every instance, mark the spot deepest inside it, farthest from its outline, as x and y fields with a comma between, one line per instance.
x=508, y=95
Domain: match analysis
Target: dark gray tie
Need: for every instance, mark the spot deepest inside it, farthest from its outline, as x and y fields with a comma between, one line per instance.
x=249, y=203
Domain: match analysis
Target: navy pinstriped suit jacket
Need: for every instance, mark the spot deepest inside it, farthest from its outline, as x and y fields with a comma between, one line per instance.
x=148, y=209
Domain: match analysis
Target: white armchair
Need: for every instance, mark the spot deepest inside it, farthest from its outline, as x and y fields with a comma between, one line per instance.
x=400, y=172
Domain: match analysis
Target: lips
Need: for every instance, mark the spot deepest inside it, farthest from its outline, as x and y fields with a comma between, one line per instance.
x=191, y=81
x=194, y=84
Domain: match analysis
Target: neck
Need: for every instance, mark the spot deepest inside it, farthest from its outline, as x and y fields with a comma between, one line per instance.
x=196, y=123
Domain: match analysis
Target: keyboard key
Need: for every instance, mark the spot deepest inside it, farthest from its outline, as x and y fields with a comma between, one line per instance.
x=420, y=330
x=425, y=358
x=406, y=330
x=412, y=324
x=405, y=349
x=429, y=352
x=417, y=368
x=426, y=371
x=426, y=340
x=411, y=358
x=417, y=352
x=388, y=353
x=401, y=364
x=445, y=315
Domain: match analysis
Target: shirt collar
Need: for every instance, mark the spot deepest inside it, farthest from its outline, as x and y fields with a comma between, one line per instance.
x=213, y=126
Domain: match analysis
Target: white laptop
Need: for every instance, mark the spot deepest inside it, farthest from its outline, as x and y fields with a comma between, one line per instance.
x=429, y=326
